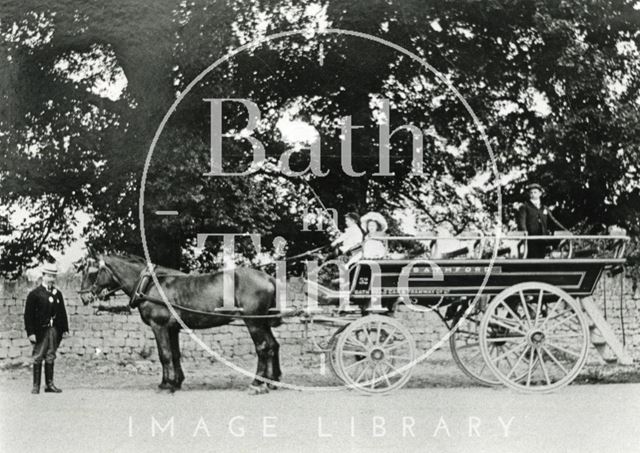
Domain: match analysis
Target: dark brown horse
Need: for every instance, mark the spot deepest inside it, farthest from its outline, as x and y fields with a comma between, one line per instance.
x=195, y=299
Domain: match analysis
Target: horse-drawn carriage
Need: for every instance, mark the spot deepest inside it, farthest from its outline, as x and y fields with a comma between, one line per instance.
x=524, y=323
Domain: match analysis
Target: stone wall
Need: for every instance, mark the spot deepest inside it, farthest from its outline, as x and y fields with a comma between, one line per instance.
x=123, y=337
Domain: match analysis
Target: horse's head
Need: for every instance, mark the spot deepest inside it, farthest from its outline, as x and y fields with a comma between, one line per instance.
x=98, y=281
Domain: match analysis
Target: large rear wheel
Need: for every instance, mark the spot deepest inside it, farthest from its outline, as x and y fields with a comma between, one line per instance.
x=464, y=343
x=544, y=335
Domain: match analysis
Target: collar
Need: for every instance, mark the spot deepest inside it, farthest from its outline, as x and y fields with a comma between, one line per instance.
x=47, y=289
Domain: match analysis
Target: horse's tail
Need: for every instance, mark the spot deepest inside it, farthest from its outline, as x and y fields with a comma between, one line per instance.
x=276, y=321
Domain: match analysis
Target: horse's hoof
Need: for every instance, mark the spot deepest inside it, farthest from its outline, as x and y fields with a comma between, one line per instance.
x=271, y=386
x=167, y=387
x=170, y=390
x=257, y=389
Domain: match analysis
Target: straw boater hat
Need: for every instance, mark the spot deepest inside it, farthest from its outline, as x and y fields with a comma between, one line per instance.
x=376, y=216
x=49, y=269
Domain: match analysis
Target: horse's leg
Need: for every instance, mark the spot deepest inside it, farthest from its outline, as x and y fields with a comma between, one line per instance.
x=273, y=369
x=174, y=338
x=164, y=351
x=261, y=344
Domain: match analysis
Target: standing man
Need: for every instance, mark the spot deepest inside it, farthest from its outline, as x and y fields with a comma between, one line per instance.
x=45, y=320
x=533, y=217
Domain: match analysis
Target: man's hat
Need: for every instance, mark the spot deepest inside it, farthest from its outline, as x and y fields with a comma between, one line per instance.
x=535, y=185
x=352, y=215
x=49, y=269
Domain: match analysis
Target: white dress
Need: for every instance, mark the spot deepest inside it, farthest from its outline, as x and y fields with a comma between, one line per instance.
x=373, y=249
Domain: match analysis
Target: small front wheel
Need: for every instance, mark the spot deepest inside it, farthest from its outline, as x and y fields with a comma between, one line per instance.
x=375, y=354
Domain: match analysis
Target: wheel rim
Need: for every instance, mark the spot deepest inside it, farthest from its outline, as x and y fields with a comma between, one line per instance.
x=332, y=353
x=464, y=343
x=375, y=354
x=544, y=335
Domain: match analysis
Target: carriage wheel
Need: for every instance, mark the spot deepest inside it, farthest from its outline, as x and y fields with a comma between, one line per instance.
x=375, y=354
x=544, y=335
x=331, y=352
x=465, y=349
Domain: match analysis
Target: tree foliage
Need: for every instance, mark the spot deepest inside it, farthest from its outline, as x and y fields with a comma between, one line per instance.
x=555, y=85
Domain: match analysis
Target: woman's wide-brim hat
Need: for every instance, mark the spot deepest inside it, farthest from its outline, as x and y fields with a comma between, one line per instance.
x=376, y=216
x=49, y=269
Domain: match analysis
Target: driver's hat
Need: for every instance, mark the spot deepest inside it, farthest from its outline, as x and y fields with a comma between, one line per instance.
x=534, y=185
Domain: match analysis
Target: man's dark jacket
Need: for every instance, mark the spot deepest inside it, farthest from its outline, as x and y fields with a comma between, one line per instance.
x=41, y=306
x=535, y=221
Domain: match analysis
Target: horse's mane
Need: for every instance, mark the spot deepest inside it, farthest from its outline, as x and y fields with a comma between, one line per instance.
x=135, y=259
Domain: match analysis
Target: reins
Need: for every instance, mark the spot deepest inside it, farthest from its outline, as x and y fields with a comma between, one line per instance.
x=138, y=295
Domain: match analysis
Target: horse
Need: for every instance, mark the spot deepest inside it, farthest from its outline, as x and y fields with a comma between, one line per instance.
x=195, y=299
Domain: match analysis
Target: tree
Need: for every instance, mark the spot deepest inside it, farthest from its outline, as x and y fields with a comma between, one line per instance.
x=555, y=85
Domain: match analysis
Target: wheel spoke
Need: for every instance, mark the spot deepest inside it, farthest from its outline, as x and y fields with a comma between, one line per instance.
x=538, y=307
x=555, y=360
x=386, y=378
x=389, y=336
x=350, y=352
x=395, y=370
x=513, y=368
x=573, y=334
x=531, y=364
x=500, y=339
x=544, y=368
x=467, y=346
x=364, y=370
x=515, y=316
x=365, y=329
x=397, y=345
x=509, y=352
x=355, y=342
x=565, y=350
x=495, y=320
x=525, y=308
x=558, y=324
x=553, y=311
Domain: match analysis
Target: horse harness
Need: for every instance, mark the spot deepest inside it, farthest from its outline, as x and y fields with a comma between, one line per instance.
x=145, y=282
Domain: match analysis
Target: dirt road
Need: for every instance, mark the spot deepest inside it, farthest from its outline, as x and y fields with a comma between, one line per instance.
x=581, y=418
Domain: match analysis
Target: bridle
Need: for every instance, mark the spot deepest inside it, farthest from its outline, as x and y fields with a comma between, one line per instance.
x=94, y=289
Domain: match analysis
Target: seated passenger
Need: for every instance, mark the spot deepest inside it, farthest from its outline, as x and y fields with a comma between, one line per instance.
x=349, y=241
x=374, y=224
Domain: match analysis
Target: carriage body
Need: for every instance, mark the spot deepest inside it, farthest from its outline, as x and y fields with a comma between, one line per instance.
x=455, y=278
x=488, y=304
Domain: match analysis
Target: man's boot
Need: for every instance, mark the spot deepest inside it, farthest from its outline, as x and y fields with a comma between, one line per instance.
x=48, y=376
x=37, y=375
